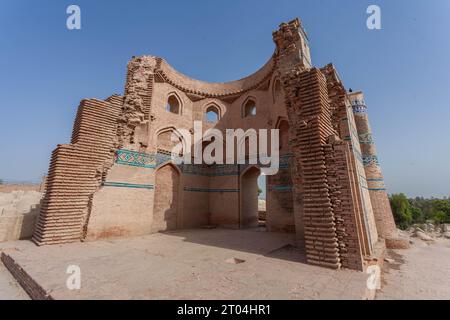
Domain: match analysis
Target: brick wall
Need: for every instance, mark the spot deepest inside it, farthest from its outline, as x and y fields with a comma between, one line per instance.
x=76, y=171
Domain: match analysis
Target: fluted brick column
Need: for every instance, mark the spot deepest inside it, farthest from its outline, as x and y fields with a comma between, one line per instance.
x=76, y=171
x=310, y=126
x=380, y=202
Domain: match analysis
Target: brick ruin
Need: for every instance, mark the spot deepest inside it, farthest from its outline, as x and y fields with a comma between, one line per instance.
x=116, y=177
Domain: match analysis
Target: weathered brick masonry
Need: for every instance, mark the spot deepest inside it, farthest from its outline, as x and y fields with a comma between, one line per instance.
x=76, y=172
x=116, y=178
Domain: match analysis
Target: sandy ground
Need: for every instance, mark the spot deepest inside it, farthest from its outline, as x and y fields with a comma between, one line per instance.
x=9, y=288
x=421, y=272
x=187, y=264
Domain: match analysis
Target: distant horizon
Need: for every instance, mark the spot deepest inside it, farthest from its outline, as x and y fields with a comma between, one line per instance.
x=48, y=69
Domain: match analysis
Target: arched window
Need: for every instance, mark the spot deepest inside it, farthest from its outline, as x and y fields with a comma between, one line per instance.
x=250, y=108
x=164, y=141
x=212, y=114
x=173, y=104
x=277, y=93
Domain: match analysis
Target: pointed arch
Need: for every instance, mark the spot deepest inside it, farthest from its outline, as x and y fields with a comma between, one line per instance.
x=212, y=112
x=174, y=103
x=249, y=107
x=282, y=125
x=248, y=182
x=277, y=90
x=250, y=167
x=169, y=163
x=163, y=140
x=167, y=198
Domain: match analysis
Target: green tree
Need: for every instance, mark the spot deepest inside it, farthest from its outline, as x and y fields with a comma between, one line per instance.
x=441, y=205
x=440, y=217
x=401, y=209
x=417, y=214
x=440, y=210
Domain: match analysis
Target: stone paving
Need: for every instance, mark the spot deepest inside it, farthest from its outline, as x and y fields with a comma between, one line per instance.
x=187, y=264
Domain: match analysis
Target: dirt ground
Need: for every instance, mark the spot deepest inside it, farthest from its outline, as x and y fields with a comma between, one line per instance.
x=187, y=264
x=9, y=288
x=220, y=264
x=421, y=272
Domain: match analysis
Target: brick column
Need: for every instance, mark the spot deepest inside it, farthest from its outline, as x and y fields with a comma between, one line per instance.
x=380, y=202
x=76, y=172
x=324, y=214
x=310, y=126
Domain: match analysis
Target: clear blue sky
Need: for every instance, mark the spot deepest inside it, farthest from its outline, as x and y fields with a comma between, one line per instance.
x=404, y=69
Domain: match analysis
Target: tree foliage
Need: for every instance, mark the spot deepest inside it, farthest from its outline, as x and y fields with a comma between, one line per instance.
x=418, y=210
x=401, y=209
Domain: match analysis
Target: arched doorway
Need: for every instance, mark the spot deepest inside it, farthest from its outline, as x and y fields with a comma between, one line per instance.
x=280, y=204
x=166, y=201
x=249, y=198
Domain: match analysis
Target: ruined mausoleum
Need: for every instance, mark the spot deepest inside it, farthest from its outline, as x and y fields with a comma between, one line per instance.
x=116, y=177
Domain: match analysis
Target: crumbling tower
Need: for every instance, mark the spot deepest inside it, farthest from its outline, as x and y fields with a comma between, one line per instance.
x=375, y=181
x=326, y=193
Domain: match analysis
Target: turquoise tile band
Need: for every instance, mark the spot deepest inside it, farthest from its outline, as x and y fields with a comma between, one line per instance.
x=127, y=185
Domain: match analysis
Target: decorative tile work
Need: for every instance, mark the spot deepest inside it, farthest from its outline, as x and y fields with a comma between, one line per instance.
x=366, y=138
x=287, y=155
x=280, y=188
x=377, y=184
x=134, y=158
x=285, y=160
x=194, y=189
x=371, y=159
x=161, y=158
x=363, y=181
x=196, y=169
x=210, y=171
x=358, y=155
x=217, y=169
x=359, y=106
x=225, y=170
x=127, y=185
x=374, y=189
